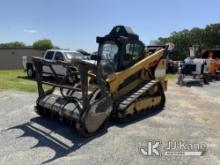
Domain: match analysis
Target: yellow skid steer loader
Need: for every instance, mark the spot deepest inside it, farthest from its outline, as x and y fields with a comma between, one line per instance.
x=123, y=80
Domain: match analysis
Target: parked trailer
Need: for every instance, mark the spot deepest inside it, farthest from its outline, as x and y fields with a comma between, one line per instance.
x=194, y=67
x=212, y=57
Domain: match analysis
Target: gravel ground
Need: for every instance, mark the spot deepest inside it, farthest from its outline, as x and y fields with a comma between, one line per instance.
x=191, y=115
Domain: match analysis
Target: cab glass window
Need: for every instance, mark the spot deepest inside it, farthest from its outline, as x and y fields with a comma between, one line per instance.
x=133, y=51
x=49, y=55
x=109, y=51
x=59, y=56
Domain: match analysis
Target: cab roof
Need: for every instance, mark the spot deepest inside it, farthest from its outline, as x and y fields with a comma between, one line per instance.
x=61, y=50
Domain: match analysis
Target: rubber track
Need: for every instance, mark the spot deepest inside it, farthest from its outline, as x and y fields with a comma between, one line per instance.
x=128, y=99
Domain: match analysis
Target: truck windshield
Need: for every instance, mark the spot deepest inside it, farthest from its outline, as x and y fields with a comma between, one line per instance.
x=108, y=52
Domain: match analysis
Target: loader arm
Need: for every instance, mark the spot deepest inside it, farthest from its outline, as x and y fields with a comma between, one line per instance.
x=115, y=79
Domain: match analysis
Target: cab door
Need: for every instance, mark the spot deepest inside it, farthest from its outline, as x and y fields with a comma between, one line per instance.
x=133, y=53
x=48, y=56
x=59, y=69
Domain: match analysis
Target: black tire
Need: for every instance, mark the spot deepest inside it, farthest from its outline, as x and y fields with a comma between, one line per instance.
x=217, y=77
x=72, y=79
x=206, y=79
x=30, y=72
x=180, y=79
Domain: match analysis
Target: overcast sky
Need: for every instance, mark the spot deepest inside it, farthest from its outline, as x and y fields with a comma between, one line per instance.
x=76, y=23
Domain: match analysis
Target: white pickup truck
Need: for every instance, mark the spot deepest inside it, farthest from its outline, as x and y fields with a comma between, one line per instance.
x=51, y=55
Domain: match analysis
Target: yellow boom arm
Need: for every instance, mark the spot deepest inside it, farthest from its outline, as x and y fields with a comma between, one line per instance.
x=115, y=79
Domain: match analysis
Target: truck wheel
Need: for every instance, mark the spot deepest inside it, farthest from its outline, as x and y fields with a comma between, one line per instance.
x=206, y=79
x=73, y=78
x=30, y=72
x=180, y=79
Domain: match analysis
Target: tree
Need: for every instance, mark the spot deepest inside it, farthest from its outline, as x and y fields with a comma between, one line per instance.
x=43, y=44
x=13, y=45
x=209, y=37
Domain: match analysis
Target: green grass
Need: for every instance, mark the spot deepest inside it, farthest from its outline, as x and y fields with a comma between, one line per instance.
x=171, y=76
x=16, y=80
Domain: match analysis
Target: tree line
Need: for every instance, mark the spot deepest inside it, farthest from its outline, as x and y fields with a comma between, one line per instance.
x=202, y=38
x=40, y=44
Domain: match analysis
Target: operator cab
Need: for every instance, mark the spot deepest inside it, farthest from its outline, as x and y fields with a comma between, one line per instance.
x=118, y=50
